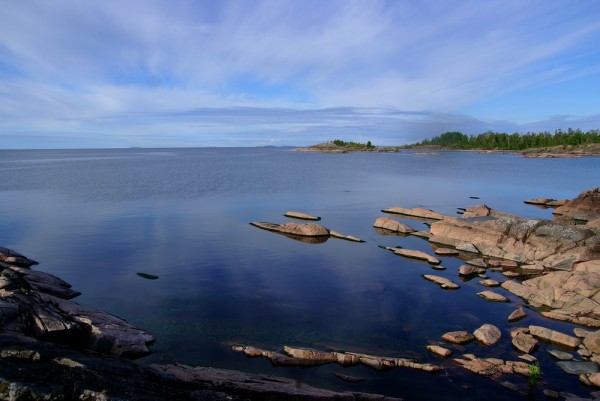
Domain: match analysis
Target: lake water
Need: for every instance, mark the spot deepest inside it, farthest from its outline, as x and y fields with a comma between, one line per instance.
x=98, y=217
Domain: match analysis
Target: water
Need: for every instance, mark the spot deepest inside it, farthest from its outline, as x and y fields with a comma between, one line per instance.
x=98, y=217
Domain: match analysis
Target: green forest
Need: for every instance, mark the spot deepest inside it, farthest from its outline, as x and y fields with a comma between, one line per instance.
x=503, y=141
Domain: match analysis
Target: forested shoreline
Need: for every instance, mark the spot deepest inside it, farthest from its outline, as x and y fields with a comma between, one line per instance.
x=503, y=141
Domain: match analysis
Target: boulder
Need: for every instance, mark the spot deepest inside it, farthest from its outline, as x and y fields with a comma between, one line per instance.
x=554, y=336
x=415, y=212
x=441, y=281
x=517, y=314
x=476, y=211
x=468, y=270
x=488, y=334
x=458, y=337
x=302, y=230
x=393, y=225
x=489, y=283
x=524, y=342
x=301, y=216
x=492, y=296
x=585, y=207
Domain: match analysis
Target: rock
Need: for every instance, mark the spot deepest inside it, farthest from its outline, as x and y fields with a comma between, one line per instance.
x=393, y=225
x=440, y=351
x=446, y=252
x=415, y=212
x=528, y=358
x=414, y=254
x=301, y=216
x=441, y=281
x=551, y=394
x=477, y=263
x=15, y=258
x=303, y=230
x=578, y=368
x=468, y=270
x=489, y=283
x=351, y=238
x=488, y=334
x=539, y=201
x=458, y=337
x=509, y=385
x=492, y=296
x=524, y=342
x=591, y=379
x=517, y=315
x=476, y=211
x=464, y=246
x=507, y=264
x=348, y=379
x=557, y=203
x=584, y=353
x=585, y=207
x=510, y=274
x=572, y=295
x=492, y=366
x=554, y=336
x=560, y=355
x=592, y=342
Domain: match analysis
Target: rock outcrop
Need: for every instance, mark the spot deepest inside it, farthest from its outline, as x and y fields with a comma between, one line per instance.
x=521, y=240
x=418, y=212
x=585, y=207
x=442, y=282
x=38, y=304
x=491, y=367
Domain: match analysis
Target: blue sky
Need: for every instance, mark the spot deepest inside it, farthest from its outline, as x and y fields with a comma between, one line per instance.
x=170, y=73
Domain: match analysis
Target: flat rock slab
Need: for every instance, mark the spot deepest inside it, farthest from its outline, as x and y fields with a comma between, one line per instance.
x=578, y=368
x=458, y=337
x=446, y=252
x=414, y=254
x=441, y=281
x=415, y=212
x=492, y=296
x=338, y=235
x=440, y=351
x=301, y=216
x=387, y=223
x=554, y=336
x=303, y=230
x=488, y=334
x=477, y=263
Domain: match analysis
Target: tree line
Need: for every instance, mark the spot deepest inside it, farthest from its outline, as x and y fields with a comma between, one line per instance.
x=350, y=144
x=503, y=141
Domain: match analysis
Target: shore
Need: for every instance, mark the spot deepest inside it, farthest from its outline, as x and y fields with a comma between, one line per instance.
x=55, y=349
x=591, y=150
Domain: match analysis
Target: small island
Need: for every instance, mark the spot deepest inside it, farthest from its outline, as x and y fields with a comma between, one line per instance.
x=339, y=146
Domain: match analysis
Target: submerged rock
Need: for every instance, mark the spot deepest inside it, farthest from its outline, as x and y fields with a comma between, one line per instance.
x=446, y=252
x=578, y=368
x=417, y=212
x=350, y=238
x=440, y=351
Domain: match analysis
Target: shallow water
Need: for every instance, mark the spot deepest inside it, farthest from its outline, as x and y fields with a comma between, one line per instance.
x=96, y=218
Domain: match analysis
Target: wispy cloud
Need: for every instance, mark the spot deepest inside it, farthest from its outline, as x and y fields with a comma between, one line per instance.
x=112, y=72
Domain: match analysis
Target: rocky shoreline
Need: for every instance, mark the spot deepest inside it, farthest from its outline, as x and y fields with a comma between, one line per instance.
x=55, y=349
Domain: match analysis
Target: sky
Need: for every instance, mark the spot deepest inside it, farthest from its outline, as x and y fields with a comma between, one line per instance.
x=179, y=73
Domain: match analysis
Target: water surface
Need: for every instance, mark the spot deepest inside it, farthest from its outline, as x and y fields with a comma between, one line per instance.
x=96, y=218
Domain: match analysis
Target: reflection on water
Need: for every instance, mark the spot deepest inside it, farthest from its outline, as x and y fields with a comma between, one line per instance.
x=100, y=217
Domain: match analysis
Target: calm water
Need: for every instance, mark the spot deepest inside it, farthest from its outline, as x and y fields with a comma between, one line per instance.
x=97, y=217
